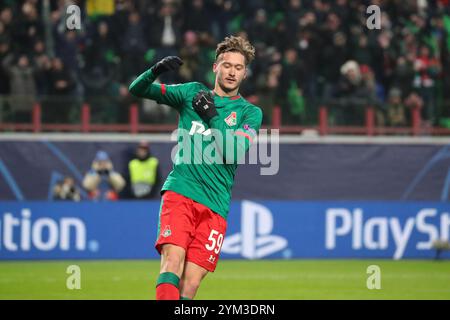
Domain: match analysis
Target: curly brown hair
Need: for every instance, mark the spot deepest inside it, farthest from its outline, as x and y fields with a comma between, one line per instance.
x=236, y=44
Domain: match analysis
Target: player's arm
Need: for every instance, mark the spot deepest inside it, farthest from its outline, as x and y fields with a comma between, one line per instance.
x=143, y=86
x=233, y=144
x=237, y=142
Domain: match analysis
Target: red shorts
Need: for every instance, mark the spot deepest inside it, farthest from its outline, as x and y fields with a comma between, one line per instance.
x=192, y=226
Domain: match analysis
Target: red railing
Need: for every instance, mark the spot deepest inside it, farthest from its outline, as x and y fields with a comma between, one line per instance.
x=85, y=118
x=134, y=118
x=369, y=129
x=36, y=117
x=323, y=120
x=416, y=121
x=134, y=126
x=276, y=117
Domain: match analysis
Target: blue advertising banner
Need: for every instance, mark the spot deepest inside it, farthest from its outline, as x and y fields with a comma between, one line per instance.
x=256, y=230
x=312, y=172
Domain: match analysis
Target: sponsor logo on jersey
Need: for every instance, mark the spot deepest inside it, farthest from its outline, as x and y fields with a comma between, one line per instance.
x=198, y=127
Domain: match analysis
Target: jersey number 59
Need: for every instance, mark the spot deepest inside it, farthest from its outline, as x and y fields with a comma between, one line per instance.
x=216, y=239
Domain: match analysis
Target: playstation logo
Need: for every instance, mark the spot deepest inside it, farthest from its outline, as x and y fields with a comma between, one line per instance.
x=255, y=240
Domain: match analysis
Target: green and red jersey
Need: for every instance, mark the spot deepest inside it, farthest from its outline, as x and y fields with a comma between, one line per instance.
x=208, y=182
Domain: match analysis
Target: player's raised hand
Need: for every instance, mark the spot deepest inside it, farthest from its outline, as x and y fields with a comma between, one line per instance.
x=167, y=64
x=203, y=104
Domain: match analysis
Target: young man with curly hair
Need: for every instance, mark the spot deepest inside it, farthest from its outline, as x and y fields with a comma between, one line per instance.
x=196, y=196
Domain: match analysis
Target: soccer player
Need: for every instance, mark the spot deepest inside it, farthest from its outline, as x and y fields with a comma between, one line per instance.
x=196, y=196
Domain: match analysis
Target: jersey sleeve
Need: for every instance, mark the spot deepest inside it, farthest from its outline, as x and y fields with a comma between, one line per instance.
x=234, y=143
x=171, y=95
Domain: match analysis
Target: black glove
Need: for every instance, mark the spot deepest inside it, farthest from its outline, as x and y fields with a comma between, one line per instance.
x=203, y=104
x=166, y=64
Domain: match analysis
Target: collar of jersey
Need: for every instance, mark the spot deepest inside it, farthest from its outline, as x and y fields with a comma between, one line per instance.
x=233, y=98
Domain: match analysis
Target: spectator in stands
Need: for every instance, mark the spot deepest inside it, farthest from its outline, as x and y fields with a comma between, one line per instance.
x=335, y=52
x=27, y=26
x=99, y=76
x=383, y=57
x=61, y=82
x=258, y=28
x=369, y=86
x=6, y=18
x=42, y=64
x=165, y=34
x=294, y=12
x=143, y=170
x=414, y=101
x=267, y=85
x=290, y=88
x=221, y=13
x=66, y=190
x=395, y=109
x=355, y=91
x=190, y=54
x=362, y=54
x=67, y=49
x=102, y=182
x=427, y=68
x=403, y=75
x=134, y=45
x=22, y=86
x=195, y=20
x=281, y=38
x=5, y=51
x=101, y=48
x=59, y=103
x=308, y=46
x=325, y=33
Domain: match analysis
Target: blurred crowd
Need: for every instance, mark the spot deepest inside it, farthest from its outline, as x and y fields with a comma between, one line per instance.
x=308, y=53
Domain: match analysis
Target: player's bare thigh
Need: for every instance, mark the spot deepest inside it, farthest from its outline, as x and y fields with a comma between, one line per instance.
x=172, y=259
x=190, y=281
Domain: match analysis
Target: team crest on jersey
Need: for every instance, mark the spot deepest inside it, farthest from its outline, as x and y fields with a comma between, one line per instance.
x=167, y=232
x=231, y=119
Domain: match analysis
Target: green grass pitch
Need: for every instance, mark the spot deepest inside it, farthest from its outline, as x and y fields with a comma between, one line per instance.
x=268, y=279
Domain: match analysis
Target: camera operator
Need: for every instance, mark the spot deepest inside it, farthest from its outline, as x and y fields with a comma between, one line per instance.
x=66, y=190
x=102, y=182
